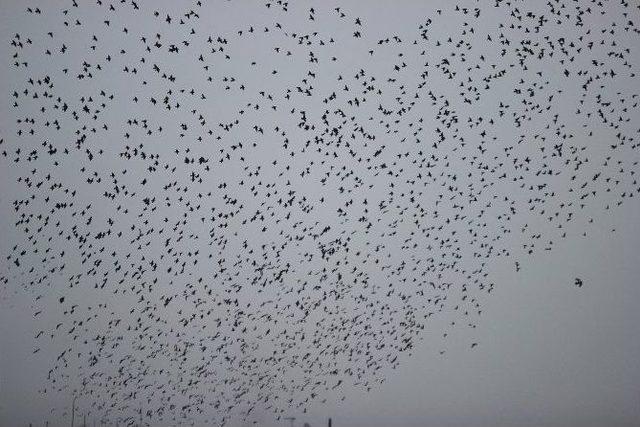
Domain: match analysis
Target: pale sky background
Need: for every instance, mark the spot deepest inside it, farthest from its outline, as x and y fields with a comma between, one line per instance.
x=549, y=354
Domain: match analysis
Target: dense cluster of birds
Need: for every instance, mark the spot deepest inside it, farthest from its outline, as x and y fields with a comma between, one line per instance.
x=223, y=208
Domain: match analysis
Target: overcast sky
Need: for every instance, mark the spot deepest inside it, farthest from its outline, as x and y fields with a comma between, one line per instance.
x=458, y=177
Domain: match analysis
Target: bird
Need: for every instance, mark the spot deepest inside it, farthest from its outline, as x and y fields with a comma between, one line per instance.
x=215, y=215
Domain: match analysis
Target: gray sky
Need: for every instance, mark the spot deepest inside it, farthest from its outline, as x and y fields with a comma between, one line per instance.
x=352, y=182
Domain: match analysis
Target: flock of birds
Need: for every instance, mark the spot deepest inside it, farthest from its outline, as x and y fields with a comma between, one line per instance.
x=222, y=209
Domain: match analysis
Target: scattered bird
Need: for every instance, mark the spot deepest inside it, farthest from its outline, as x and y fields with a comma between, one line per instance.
x=237, y=217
